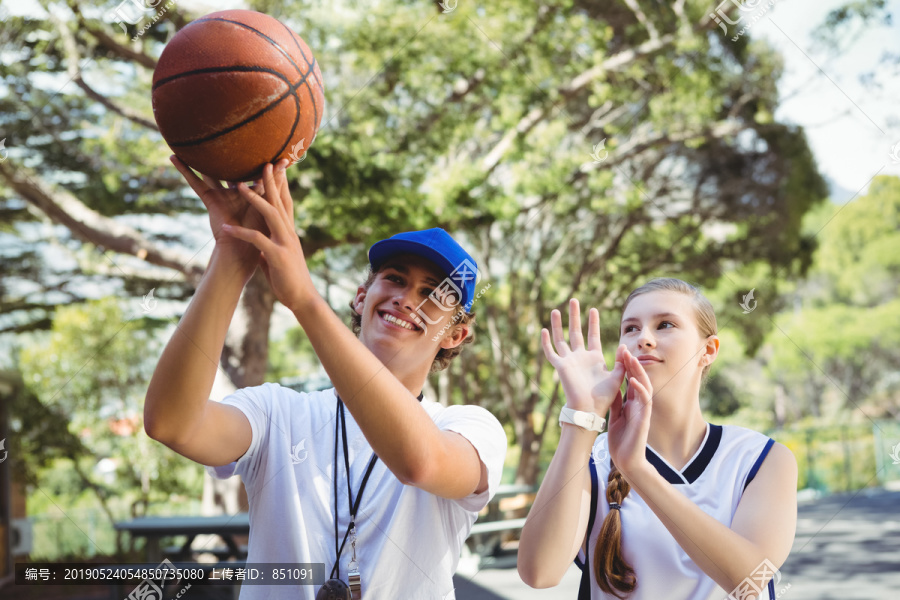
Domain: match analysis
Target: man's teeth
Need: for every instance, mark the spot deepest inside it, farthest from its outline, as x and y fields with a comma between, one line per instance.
x=392, y=319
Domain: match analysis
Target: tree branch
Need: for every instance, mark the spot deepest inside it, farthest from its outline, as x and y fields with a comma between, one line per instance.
x=537, y=114
x=109, y=43
x=90, y=226
x=639, y=13
x=72, y=66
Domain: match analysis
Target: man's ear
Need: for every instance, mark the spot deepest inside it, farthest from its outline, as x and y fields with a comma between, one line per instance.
x=455, y=336
x=360, y=299
x=710, y=350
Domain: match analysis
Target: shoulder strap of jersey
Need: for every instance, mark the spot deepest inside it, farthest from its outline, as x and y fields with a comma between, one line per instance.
x=759, y=461
x=584, y=589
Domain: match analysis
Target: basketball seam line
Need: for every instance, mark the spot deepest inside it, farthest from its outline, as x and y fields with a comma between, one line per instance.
x=262, y=35
x=291, y=90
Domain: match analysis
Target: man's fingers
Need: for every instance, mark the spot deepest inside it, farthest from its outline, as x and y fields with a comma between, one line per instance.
x=214, y=184
x=197, y=184
x=269, y=213
x=251, y=236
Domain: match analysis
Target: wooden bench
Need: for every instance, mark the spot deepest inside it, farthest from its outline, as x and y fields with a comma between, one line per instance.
x=486, y=537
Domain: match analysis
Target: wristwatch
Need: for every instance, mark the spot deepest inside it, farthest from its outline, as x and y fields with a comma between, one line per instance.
x=585, y=420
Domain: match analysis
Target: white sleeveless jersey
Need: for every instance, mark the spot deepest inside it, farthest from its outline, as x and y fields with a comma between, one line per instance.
x=713, y=479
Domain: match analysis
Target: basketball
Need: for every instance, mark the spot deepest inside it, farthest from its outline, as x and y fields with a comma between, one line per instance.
x=235, y=90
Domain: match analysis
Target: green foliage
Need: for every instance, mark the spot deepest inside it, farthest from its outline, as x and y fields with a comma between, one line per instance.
x=482, y=121
x=843, y=336
x=78, y=421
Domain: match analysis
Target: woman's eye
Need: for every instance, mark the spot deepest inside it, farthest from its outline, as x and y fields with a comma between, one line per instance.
x=629, y=329
x=664, y=323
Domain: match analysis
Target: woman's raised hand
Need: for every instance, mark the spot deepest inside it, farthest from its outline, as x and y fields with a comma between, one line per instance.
x=629, y=420
x=588, y=384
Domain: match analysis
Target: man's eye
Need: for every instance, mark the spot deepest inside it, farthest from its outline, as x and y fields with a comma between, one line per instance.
x=427, y=291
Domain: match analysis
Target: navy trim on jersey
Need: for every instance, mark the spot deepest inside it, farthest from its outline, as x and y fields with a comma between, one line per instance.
x=694, y=470
x=759, y=462
x=662, y=468
x=771, y=581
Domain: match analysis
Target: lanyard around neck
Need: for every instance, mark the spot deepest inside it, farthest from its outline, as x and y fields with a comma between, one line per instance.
x=341, y=420
x=340, y=426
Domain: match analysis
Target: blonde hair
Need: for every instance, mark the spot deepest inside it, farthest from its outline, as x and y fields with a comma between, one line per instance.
x=614, y=575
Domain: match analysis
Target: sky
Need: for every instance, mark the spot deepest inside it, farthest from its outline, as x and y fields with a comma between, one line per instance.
x=851, y=128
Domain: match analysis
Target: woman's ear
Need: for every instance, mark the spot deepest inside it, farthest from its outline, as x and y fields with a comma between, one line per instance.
x=710, y=350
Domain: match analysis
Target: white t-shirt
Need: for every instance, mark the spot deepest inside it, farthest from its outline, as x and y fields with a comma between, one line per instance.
x=714, y=479
x=409, y=541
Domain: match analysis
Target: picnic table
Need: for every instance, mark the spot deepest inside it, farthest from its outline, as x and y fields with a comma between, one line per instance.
x=156, y=528
x=486, y=533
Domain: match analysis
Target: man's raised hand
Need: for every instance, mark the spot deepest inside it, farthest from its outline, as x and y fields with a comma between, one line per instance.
x=226, y=206
x=282, y=256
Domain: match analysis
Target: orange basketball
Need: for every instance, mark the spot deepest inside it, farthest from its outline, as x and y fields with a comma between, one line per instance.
x=234, y=90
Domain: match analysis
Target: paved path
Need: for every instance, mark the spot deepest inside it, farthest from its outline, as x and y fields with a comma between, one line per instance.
x=847, y=548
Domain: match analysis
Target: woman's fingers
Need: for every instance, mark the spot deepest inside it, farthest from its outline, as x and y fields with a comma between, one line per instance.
x=548, y=347
x=636, y=370
x=615, y=409
x=556, y=330
x=640, y=391
x=576, y=339
x=594, y=331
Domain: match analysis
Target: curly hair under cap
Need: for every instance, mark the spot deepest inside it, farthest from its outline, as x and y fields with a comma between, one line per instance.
x=444, y=355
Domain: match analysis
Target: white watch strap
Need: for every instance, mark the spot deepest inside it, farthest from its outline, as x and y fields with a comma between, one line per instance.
x=585, y=420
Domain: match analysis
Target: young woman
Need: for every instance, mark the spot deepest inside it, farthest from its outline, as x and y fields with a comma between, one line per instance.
x=664, y=505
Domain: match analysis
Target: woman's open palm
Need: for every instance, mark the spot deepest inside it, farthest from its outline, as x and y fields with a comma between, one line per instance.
x=588, y=384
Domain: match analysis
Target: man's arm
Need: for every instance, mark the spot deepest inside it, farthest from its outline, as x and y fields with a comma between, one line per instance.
x=399, y=431
x=177, y=409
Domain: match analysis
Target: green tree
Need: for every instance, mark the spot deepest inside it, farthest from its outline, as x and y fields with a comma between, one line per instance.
x=88, y=376
x=579, y=149
x=841, y=341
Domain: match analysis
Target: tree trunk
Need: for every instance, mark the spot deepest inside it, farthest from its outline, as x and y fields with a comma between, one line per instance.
x=245, y=357
x=530, y=443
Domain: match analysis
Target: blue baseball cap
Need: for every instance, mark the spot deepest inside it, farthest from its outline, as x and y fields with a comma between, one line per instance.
x=437, y=246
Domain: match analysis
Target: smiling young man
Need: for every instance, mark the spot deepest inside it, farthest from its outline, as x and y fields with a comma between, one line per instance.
x=411, y=472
